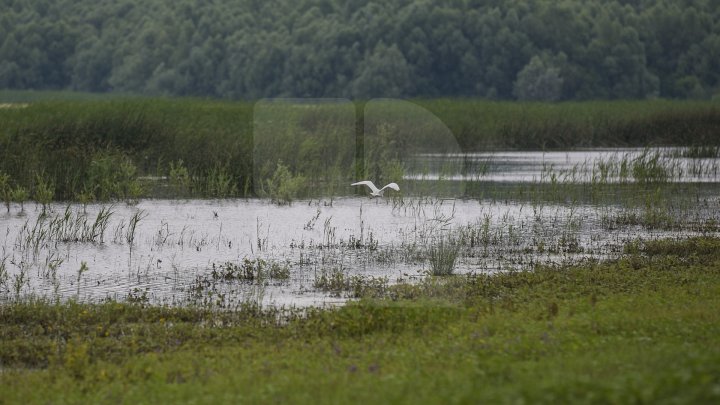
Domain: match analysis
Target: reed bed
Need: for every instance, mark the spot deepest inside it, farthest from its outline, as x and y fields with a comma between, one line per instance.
x=70, y=149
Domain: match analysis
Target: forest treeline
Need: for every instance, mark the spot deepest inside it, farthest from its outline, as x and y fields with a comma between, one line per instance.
x=248, y=49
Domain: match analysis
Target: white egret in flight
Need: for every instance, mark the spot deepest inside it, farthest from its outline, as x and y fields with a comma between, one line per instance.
x=374, y=191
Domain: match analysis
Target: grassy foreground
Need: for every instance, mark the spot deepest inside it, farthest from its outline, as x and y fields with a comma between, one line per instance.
x=644, y=328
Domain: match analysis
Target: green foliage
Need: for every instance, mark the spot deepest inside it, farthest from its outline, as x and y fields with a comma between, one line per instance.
x=538, y=81
x=83, y=269
x=5, y=189
x=180, y=177
x=219, y=183
x=256, y=270
x=112, y=176
x=340, y=284
x=19, y=195
x=44, y=191
x=122, y=148
x=384, y=73
x=540, y=336
x=283, y=187
x=649, y=168
x=367, y=48
x=442, y=256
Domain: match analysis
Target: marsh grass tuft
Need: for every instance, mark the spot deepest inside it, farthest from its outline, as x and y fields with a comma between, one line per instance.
x=69, y=226
x=283, y=187
x=134, y=220
x=4, y=276
x=339, y=283
x=442, y=255
x=44, y=191
x=255, y=270
x=82, y=270
x=5, y=189
x=20, y=195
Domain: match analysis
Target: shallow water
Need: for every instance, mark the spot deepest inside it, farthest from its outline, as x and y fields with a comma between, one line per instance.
x=177, y=243
x=578, y=166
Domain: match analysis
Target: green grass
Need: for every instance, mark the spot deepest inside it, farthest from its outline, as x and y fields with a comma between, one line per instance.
x=31, y=96
x=643, y=328
x=481, y=125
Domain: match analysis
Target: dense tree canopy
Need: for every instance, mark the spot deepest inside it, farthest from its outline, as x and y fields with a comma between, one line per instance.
x=535, y=49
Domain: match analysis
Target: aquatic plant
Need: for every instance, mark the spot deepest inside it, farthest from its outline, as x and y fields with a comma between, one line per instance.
x=5, y=189
x=220, y=183
x=442, y=255
x=19, y=195
x=70, y=226
x=44, y=191
x=112, y=175
x=83, y=269
x=180, y=179
x=4, y=276
x=283, y=187
x=649, y=168
x=255, y=270
x=338, y=283
x=132, y=226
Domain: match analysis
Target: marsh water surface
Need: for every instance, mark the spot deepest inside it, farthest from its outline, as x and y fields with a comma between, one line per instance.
x=179, y=251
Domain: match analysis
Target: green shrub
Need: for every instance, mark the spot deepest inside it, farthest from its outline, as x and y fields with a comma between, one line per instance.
x=283, y=187
x=44, y=191
x=19, y=195
x=220, y=182
x=112, y=175
x=180, y=179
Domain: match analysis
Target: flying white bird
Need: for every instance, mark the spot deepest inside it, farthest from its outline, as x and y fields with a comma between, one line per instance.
x=374, y=192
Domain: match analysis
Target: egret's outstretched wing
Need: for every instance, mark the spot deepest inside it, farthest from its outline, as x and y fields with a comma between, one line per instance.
x=367, y=183
x=393, y=186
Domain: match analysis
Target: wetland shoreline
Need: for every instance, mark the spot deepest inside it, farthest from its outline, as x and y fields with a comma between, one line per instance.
x=133, y=270
x=647, y=322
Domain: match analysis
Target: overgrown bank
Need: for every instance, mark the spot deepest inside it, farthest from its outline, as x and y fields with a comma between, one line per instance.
x=130, y=148
x=643, y=328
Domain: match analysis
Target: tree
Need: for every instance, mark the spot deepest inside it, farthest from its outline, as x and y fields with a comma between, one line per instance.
x=538, y=81
x=383, y=73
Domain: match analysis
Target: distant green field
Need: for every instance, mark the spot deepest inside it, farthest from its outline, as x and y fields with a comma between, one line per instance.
x=70, y=143
x=29, y=96
x=641, y=329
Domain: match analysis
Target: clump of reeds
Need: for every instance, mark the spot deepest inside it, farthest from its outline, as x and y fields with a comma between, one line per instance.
x=4, y=276
x=338, y=282
x=132, y=226
x=442, y=256
x=255, y=270
x=69, y=226
x=283, y=187
x=83, y=269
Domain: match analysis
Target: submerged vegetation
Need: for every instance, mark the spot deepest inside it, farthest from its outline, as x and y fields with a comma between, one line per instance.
x=597, y=331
